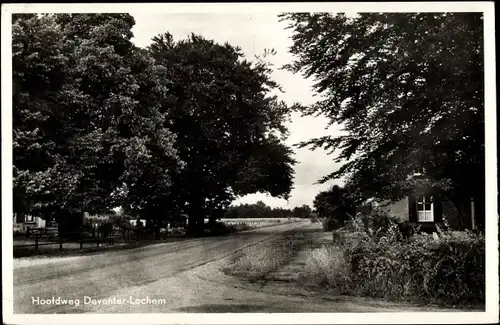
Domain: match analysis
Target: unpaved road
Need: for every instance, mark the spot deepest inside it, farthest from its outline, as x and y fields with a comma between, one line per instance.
x=183, y=276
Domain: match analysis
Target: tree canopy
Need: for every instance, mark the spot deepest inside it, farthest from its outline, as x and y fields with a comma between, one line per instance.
x=180, y=127
x=408, y=88
x=83, y=121
x=228, y=127
x=335, y=203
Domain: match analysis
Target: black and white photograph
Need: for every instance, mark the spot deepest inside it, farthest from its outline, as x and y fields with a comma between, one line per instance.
x=249, y=163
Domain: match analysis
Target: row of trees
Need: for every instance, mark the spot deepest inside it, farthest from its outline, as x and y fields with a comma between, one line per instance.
x=261, y=210
x=181, y=127
x=408, y=88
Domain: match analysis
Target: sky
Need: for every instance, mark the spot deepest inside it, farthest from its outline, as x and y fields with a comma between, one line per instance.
x=254, y=33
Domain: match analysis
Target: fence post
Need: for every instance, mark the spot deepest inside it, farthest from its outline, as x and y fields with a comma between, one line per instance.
x=36, y=243
x=81, y=243
x=60, y=244
x=97, y=243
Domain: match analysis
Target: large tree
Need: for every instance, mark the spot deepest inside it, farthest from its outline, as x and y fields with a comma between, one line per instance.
x=335, y=203
x=181, y=127
x=408, y=89
x=86, y=120
x=226, y=123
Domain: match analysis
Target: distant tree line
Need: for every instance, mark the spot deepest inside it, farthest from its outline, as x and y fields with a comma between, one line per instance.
x=261, y=210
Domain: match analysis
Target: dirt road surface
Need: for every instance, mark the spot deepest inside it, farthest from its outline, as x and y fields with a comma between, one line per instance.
x=182, y=277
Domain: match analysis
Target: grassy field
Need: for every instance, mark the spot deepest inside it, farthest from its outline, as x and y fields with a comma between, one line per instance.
x=259, y=222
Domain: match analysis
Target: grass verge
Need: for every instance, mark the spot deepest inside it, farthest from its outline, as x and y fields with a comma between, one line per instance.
x=326, y=268
x=256, y=262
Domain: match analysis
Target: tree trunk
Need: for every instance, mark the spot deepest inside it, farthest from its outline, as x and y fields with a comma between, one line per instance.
x=212, y=219
x=457, y=207
x=195, y=227
x=196, y=216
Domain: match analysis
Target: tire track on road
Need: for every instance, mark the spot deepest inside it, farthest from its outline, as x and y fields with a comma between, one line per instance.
x=120, y=257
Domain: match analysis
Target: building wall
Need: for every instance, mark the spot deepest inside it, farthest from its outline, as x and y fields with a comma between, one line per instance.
x=23, y=226
x=399, y=209
x=134, y=222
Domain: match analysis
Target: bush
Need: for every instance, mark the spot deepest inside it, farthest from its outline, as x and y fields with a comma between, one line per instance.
x=388, y=264
x=395, y=261
x=330, y=224
x=121, y=222
x=445, y=271
x=221, y=228
x=377, y=223
x=105, y=229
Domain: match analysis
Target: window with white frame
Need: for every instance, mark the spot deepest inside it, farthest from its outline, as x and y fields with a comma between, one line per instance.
x=418, y=171
x=425, y=209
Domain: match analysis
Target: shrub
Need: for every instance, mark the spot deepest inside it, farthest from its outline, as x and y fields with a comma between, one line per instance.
x=393, y=260
x=105, y=229
x=221, y=228
x=377, y=223
x=122, y=222
x=330, y=224
x=449, y=270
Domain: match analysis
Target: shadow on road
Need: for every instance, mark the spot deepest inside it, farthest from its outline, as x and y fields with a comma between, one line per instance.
x=233, y=308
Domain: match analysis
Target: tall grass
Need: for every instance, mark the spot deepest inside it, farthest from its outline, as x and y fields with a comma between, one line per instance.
x=326, y=267
x=258, y=261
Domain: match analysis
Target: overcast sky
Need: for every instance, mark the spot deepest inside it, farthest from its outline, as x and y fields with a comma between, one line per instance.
x=254, y=33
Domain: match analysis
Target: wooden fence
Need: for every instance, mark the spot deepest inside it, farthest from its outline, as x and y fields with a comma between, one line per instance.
x=38, y=240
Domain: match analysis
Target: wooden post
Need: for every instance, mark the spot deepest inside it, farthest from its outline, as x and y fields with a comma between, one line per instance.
x=97, y=243
x=473, y=214
x=81, y=243
x=36, y=243
x=60, y=244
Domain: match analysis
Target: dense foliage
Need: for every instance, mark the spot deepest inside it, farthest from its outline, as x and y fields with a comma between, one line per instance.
x=408, y=88
x=335, y=206
x=84, y=117
x=381, y=260
x=228, y=127
x=449, y=269
x=178, y=128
